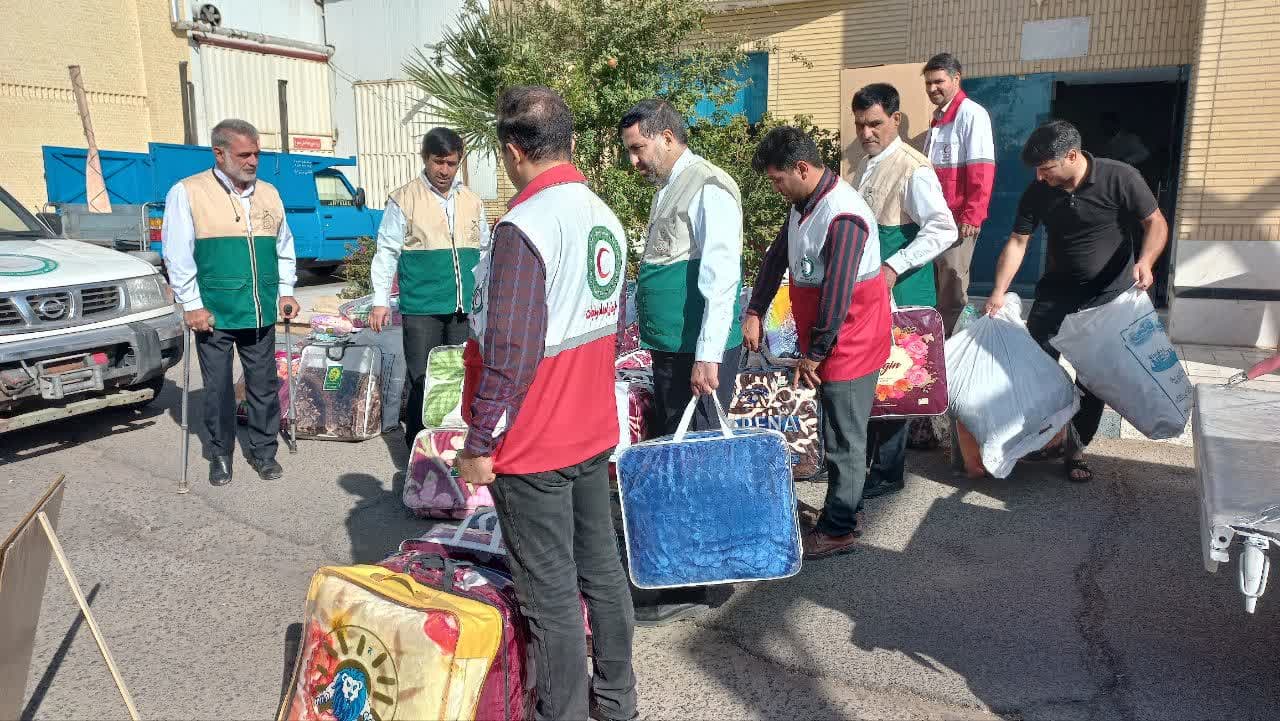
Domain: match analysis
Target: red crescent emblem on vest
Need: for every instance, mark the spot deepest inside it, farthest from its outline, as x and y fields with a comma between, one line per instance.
x=600, y=256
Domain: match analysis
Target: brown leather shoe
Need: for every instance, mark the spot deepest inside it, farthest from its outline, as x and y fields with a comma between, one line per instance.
x=809, y=519
x=819, y=545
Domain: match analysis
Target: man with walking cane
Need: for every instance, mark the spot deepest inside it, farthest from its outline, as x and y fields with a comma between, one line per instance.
x=231, y=263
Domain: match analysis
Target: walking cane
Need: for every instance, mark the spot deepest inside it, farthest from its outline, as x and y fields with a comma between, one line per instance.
x=185, y=445
x=292, y=426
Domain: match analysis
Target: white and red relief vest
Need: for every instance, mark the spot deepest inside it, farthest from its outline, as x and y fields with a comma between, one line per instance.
x=569, y=414
x=862, y=344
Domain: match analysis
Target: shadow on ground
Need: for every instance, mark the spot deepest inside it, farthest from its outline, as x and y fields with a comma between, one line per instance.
x=1032, y=597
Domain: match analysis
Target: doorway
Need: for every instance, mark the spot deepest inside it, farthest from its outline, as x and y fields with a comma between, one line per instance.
x=1137, y=117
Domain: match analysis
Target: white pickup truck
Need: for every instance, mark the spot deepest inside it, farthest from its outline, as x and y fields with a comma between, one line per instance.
x=82, y=327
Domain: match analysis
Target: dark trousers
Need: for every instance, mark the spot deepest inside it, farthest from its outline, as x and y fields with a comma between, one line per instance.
x=1047, y=314
x=257, y=349
x=561, y=540
x=421, y=334
x=846, y=408
x=887, y=451
x=672, y=390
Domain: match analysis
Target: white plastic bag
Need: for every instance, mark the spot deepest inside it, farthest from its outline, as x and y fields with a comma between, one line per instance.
x=1122, y=354
x=1005, y=389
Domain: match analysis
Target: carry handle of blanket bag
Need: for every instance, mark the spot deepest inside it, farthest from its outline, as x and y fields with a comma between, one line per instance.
x=1260, y=369
x=477, y=520
x=433, y=562
x=341, y=347
x=403, y=579
x=687, y=418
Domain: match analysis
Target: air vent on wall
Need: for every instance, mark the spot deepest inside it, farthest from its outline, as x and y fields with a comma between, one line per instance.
x=210, y=14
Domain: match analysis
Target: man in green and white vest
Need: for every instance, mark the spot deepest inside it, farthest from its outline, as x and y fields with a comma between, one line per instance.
x=687, y=293
x=432, y=231
x=915, y=226
x=230, y=259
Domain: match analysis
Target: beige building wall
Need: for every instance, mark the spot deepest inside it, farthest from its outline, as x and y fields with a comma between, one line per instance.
x=810, y=42
x=986, y=35
x=129, y=61
x=1227, y=234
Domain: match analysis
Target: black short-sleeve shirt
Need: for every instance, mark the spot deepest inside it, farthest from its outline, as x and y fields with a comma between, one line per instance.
x=1090, y=249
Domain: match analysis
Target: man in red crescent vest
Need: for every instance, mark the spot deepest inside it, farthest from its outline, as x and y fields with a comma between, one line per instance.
x=830, y=248
x=538, y=400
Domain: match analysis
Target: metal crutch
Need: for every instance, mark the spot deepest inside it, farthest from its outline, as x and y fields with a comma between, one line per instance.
x=185, y=445
x=292, y=426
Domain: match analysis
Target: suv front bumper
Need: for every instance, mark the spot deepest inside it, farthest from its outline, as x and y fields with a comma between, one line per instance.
x=144, y=350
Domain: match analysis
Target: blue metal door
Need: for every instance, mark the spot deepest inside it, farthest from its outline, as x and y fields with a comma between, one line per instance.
x=752, y=99
x=1017, y=105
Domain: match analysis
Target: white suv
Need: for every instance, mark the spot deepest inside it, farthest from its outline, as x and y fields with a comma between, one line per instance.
x=82, y=327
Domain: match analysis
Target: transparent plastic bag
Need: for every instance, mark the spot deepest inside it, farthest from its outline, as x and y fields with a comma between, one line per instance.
x=1123, y=355
x=1010, y=395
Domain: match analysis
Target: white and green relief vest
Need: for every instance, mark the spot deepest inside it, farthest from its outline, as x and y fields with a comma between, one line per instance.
x=237, y=270
x=668, y=303
x=884, y=192
x=436, y=266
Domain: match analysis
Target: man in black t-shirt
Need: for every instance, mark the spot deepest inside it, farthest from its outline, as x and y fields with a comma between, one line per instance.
x=1085, y=204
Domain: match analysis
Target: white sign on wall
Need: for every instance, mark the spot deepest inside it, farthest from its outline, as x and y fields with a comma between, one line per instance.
x=1052, y=39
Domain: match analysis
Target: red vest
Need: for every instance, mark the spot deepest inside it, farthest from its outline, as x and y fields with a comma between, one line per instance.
x=569, y=414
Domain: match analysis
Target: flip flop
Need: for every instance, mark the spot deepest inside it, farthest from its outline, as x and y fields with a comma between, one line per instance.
x=1041, y=456
x=1078, y=465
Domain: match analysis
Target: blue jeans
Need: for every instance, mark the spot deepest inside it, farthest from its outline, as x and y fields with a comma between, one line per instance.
x=560, y=538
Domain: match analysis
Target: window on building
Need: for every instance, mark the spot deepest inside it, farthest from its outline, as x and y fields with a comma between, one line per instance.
x=752, y=98
x=333, y=190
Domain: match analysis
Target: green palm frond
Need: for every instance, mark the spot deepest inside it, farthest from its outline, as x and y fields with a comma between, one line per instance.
x=460, y=76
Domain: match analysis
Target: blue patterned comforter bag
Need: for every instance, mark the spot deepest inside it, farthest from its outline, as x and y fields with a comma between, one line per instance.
x=709, y=507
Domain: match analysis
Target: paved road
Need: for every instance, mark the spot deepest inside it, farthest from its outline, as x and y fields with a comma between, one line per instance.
x=1029, y=598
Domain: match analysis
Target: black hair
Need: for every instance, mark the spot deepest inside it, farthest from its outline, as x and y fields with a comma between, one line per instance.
x=441, y=142
x=536, y=120
x=944, y=61
x=783, y=147
x=882, y=94
x=654, y=116
x=1051, y=141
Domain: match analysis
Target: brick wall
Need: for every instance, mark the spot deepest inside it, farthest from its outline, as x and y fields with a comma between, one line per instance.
x=1227, y=233
x=129, y=60
x=987, y=34
x=810, y=42
x=1231, y=173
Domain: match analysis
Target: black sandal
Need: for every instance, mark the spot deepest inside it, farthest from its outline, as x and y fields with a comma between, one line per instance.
x=1078, y=465
x=1041, y=456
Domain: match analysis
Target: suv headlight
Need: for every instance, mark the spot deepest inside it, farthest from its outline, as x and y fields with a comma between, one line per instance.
x=146, y=293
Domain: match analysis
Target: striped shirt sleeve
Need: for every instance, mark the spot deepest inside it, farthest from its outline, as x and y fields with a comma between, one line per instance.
x=514, y=337
x=769, y=278
x=842, y=256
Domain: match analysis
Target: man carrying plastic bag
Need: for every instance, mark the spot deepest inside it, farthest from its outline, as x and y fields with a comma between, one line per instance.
x=1122, y=352
x=1006, y=395
x=1085, y=204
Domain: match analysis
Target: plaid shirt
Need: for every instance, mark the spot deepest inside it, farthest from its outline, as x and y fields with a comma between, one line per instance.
x=516, y=331
x=841, y=255
x=514, y=338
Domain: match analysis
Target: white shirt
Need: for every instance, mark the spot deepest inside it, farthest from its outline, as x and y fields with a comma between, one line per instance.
x=924, y=203
x=717, y=229
x=932, y=135
x=386, y=260
x=178, y=238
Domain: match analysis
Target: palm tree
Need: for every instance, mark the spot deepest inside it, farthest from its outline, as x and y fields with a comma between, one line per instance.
x=461, y=76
